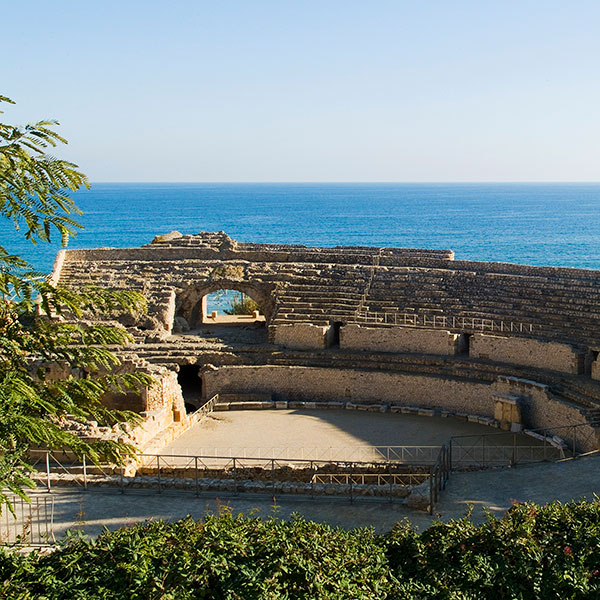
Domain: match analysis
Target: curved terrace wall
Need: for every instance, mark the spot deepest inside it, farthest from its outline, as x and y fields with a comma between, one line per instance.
x=319, y=285
x=336, y=302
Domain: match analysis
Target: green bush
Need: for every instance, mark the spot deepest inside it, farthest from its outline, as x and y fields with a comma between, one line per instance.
x=532, y=552
x=241, y=306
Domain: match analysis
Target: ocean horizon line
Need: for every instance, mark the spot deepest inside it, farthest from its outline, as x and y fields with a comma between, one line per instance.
x=351, y=182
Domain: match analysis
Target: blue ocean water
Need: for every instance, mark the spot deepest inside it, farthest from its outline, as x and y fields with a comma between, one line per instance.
x=537, y=224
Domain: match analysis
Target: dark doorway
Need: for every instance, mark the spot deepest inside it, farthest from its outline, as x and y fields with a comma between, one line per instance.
x=589, y=359
x=464, y=343
x=334, y=333
x=191, y=386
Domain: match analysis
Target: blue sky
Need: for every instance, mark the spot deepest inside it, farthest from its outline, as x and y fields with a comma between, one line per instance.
x=312, y=91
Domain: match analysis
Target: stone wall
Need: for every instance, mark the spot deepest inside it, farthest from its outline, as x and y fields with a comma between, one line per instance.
x=527, y=352
x=165, y=393
x=323, y=384
x=398, y=339
x=596, y=369
x=540, y=409
x=320, y=285
x=300, y=336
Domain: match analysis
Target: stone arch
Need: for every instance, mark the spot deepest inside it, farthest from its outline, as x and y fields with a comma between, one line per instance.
x=191, y=301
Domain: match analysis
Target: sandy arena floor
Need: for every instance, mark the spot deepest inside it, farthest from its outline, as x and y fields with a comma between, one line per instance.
x=317, y=434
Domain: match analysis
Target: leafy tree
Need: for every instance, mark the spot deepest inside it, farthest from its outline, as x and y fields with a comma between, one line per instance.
x=40, y=328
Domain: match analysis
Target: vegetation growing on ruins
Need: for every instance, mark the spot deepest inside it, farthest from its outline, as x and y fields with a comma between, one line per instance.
x=532, y=552
x=244, y=305
x=50, y=369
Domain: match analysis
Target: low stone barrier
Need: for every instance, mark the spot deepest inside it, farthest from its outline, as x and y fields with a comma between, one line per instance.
x=360, y=406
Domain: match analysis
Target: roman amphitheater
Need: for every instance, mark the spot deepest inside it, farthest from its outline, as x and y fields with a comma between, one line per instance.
x=389, y=351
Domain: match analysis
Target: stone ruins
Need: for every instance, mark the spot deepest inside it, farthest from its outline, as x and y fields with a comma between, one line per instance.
x=388, y=329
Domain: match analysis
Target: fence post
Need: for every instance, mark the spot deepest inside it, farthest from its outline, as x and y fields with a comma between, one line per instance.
x=121, y=475
x=196, y=474
x=273, y=475
x=514, y=450
x=84, y=474
x=351, y=482
x=574, y=444
x=545, y=440
x=48, y=471
x=431, y=490
x=235, y=487
x=312, y=480
x=483, y=451
x=158, y=472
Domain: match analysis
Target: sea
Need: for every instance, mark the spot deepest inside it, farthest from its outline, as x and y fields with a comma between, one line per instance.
x=528, y=223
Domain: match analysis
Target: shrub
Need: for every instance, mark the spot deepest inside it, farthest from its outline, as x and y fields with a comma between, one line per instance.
x=531, y=553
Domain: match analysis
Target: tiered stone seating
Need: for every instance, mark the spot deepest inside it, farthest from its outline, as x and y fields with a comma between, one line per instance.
x=317, y=285
x=559, y=305
x=317, y=295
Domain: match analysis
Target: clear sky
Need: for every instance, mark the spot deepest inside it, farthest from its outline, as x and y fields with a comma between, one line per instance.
x=302, y=90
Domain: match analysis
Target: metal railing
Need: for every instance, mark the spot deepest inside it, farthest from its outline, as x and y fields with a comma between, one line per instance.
x=439, y=475
x=404, y=479
x=30, y=524
x=250, y=474
x=403, y=454
x=508, y=449
x=204, y=410
x=443, y=322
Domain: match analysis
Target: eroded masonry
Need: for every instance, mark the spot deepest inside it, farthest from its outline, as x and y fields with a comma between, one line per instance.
x=387, y=329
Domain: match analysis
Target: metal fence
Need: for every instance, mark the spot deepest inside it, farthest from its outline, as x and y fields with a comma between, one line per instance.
x=403, y=454
x=443, y=322
x=30, y=523
x=235, y=474
x=508, y=449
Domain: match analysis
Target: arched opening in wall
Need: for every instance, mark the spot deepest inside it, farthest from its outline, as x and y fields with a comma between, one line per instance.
x=230, y=306
x=233, y=312
x=191, y=386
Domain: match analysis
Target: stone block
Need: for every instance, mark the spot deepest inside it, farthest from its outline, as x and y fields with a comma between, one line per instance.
x=297, y=404
x=525, y=351
x=301, y=336
x=398, y=339
x=426, y=412
x=335, y=405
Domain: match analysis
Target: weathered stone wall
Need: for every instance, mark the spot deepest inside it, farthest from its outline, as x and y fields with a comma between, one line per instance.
x=398, y=339
x=527, y=352
x=596, y=369
x=300, y=336
x=321, y=384
x=319, y=285
x=165, y=393
x=540, y=409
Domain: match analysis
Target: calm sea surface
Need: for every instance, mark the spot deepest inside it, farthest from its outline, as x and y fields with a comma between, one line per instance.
x=538, y=224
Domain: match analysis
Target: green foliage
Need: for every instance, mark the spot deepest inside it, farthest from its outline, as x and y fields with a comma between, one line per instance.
x=38, y=335
x=241, y=306
x=221, y=557
x=33, y=184
x=548, y=552
x=533, y=552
